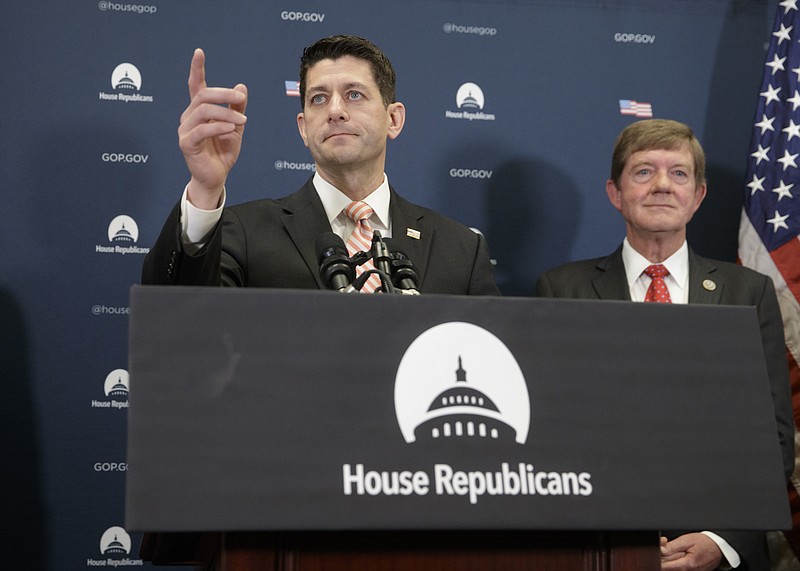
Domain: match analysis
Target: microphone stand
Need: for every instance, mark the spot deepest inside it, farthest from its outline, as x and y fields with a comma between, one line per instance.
x=382, y=261
x=358, y=283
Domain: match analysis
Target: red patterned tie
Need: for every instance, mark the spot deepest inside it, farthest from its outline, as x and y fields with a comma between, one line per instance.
x=361, y=241
x=657, y=292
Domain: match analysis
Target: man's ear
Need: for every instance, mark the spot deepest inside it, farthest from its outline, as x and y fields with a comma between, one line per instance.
x=397, y=118
x=613, y=194
x=700, y=195
x=301, y=126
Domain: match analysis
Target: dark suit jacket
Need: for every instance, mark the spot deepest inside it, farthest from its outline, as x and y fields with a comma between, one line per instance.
x=271, y=243
x=604, y=278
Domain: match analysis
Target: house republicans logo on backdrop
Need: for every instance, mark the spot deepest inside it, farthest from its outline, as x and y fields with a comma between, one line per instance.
x=123, y=233
x=115, y=388
x=459, y=381
x=457, y=387
x=126, y=83
x=115, y=544
x=470, y=102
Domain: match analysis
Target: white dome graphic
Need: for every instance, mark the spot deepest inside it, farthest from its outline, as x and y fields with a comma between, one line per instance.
x=115, y=540
x=469, y=96
x=458, y=380
x=123, y=229
x=126, y=77
x=117, y=383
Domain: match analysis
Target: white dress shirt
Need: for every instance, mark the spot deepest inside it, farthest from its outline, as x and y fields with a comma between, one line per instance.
x=677, y=265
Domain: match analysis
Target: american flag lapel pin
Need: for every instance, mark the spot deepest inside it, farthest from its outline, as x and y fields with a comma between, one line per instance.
x=415, y=234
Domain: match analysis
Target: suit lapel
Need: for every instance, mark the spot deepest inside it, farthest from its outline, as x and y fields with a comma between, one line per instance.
x=705, y=283
x=304, y=219
x=611, y=282
x=408, y=219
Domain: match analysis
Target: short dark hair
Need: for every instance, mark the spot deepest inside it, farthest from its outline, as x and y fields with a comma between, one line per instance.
x=653, y=134
x=335, y=47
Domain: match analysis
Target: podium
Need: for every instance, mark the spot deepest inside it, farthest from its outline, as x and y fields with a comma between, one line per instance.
x=384, y=551
x=450, y=433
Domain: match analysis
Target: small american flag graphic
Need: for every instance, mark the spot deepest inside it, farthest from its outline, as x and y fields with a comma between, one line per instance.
x=635, y=108
x=292, y=88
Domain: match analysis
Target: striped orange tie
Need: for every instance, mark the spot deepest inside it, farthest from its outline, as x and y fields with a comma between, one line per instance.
x=361, y=241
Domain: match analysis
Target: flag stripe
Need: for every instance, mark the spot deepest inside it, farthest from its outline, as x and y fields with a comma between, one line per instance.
x=787, y=264
x=793, y=535
x=787, y=259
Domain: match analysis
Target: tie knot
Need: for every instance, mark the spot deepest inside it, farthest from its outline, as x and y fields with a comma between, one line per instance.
x=357, y=211
x=656, y=271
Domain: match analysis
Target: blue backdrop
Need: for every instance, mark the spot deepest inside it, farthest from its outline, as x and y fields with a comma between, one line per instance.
x=92, y=94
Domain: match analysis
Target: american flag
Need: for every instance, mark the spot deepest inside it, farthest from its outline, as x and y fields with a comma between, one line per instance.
x=635, y=108
x=292, y=88
x=768, y=233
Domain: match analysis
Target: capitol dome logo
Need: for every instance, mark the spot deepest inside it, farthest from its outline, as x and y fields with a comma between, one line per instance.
x=117, y=383
x=116, y=386
x=126, y=77
x=469, y=102
x=115, y=546
x=123, y=229
x=126, y=83
x=115, y=541
x=469, y=96
x=123, y=233
x=459, y=381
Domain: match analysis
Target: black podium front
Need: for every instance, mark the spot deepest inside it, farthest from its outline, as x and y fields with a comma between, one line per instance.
x=441, y=426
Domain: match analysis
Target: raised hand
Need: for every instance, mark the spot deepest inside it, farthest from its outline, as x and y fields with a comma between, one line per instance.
x=210, y=134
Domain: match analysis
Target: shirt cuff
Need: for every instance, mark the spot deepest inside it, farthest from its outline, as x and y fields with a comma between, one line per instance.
x=197, y=224
x=728, y=552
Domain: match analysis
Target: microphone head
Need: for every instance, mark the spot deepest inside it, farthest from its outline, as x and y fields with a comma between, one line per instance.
x=328, y=244
x=336, y=269
x=404, y=273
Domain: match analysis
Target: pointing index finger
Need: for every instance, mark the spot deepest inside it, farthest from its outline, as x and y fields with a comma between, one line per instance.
x=197, y=72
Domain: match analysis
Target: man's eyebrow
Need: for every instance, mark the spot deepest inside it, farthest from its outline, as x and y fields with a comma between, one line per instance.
x=356, y=84
x=325, y=88
x=651, y=165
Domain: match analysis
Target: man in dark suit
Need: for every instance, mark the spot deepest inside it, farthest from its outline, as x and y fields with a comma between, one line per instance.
x=347, y=90
x=658, y=183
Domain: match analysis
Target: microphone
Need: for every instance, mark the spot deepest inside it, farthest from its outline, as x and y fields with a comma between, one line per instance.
x=403, y=272
x=335, y=267
x=382, y=261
